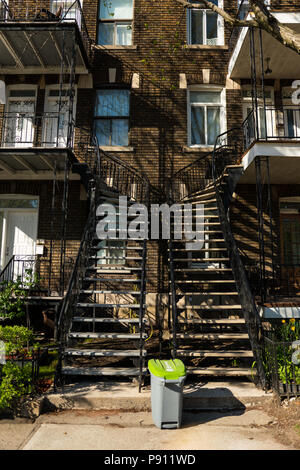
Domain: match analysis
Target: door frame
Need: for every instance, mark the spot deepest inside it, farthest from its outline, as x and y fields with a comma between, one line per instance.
x=5, y=211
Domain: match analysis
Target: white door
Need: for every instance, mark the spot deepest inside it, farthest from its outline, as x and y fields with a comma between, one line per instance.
x=56, y=119
x=19, y=120
x=20, y=237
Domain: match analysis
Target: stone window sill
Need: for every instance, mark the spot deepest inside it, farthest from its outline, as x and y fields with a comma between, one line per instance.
x=204, y=47
x=120, y=48
x=110, y=148
x=187, y=149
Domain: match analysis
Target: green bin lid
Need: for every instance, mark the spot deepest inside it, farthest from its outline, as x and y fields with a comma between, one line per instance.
x=169, y=369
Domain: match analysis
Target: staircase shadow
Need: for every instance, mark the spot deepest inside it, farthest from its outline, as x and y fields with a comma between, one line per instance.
x=216, y=403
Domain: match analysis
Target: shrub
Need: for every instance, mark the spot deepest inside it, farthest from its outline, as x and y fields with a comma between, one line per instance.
x=14, y=383
x=15, y=337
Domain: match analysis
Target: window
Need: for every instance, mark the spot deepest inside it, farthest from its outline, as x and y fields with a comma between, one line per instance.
x=115, y=22
x=206, y=113
x=291, y=114
x=112, y=117
x=205, y=26
x=266, y=115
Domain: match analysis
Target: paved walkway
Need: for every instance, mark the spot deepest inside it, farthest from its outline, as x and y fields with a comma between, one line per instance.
x=114, y=416
x=96, y=430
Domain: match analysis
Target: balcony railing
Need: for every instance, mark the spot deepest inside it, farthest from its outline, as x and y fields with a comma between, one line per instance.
x=36, y=130
x=272, y=124
x=48, y=11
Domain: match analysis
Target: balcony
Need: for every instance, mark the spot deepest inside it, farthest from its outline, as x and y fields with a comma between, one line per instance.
x=34, y=143
x=37, y=37
x=272, y=132
x=279, y=61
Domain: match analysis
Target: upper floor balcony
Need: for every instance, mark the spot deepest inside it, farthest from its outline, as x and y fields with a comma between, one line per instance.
x=39, y=36
x=262, y=53
x=272, y=132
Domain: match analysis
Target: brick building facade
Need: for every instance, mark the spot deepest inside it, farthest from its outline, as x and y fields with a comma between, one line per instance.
x=156, y=84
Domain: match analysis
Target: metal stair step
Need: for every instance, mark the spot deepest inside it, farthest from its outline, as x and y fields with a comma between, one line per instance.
x=124, y=248
x=212, y=321
x=119, y=292
x=222, y=371
x=190, y=270
x=129, y=258
x=106, y=320
x=96, y=305
x=212, y=336
x=183, y=294
x=109, y=371
x=202, y=260
x=211, y=353
x=106, y=335
x=203, y=249
x=104, y=352
x=102, y=279
x=111, y=269
x=209, y=307
x=206, y=281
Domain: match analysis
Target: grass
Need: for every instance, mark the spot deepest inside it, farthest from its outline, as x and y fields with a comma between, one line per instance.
x=47, y=369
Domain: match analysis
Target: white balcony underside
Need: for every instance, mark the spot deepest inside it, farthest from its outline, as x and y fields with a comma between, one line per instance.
x=34, y=164
x=284, y=162
x=36, y=49
x=284, y=62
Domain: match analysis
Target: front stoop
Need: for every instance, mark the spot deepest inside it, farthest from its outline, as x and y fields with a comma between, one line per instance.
x=125, y=397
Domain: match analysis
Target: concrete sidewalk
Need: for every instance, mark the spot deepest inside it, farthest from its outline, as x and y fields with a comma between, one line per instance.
x=112, y=431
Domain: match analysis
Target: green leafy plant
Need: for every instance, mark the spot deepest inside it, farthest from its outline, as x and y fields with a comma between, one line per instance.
x=14, y=383
x=13, y=295
x=16, y=338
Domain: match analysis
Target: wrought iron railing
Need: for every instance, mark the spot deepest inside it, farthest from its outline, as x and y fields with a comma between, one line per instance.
x=271, y=124
x=19, y=267
x=25, y=129
x=50, y=11
x=281, y=344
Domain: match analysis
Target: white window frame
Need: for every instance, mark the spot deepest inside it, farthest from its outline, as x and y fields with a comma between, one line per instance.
x=247, y=103
x=288, y=104
x=220, y=27
x=115, y=22
x=222, y=105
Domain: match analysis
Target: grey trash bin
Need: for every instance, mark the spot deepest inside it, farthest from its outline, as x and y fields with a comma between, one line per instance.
x=167, y=380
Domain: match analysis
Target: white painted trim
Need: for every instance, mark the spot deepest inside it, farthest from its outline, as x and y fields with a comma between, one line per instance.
x=271, y=149
x=223, y=114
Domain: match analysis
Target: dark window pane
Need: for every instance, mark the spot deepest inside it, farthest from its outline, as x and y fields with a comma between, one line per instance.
x=106, y=34
x=197, y=126
x=119, y=132
x=102, y=131
x=211, y=27
x=197, y=27
x=213, y=124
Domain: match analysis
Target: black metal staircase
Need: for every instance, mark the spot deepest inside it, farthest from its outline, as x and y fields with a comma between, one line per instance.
x=102, y=322
x=215, y=322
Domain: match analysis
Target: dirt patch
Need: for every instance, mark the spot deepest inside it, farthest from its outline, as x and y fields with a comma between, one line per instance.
x=286, y=415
